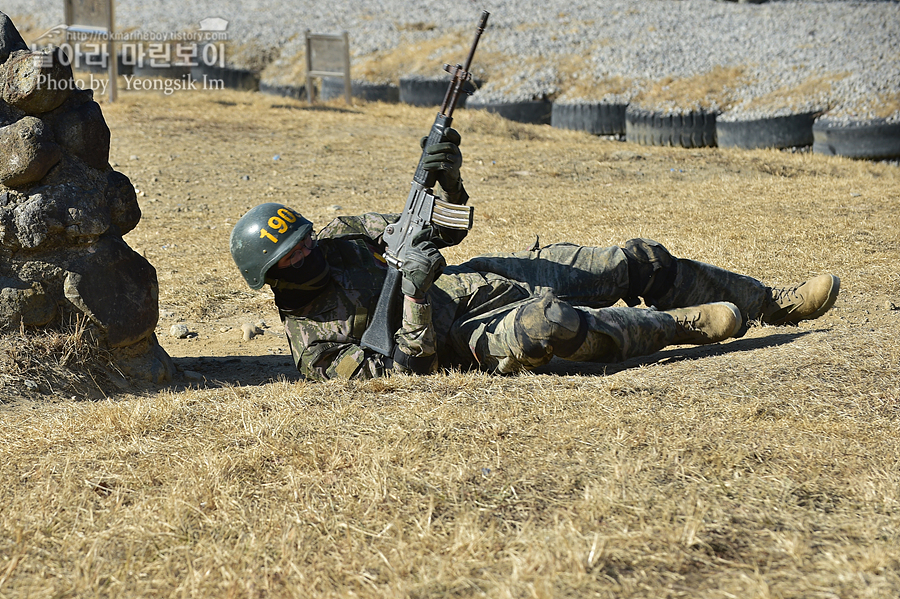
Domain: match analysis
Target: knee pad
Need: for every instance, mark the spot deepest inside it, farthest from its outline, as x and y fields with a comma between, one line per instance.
x=651, y=270
x=547, y=326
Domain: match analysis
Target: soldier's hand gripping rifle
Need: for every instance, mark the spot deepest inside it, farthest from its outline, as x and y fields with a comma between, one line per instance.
x=422, y=210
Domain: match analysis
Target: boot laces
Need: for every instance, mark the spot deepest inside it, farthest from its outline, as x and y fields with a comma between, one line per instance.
x=688, y=322
x=787, y=295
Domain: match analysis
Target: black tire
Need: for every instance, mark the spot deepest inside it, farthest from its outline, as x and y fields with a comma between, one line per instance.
x=695, y=129
x=418, y=91
x=333, y=87
x=297, y=92
x=596, y=118
x=873, y=140
x=538, y=112
x=231, y=78
x=789, y=131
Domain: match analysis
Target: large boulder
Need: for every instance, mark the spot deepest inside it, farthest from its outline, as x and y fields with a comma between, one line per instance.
x=82, y=210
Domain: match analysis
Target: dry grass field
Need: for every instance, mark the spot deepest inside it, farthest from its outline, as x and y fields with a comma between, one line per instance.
x=764, y=467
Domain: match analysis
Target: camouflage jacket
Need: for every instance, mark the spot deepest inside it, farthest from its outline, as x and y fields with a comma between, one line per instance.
x=325, y=334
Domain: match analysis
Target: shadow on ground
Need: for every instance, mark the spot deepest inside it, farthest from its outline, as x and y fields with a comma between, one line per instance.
x=317, y=108
x=224, y=371
x=564, y=368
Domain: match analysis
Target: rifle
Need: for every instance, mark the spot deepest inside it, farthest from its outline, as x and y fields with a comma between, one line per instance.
x=421, y=210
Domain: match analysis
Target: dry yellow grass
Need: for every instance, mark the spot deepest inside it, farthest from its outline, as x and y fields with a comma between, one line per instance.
x=708, y=89
x=763, y=467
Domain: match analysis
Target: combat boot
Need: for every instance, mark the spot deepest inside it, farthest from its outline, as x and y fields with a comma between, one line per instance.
x=809, y=300
x=706, y=323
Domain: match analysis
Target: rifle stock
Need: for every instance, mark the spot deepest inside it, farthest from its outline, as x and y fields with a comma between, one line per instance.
x=379, y=335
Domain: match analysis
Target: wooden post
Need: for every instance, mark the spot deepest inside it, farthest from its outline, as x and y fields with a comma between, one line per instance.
x=88, y=16
x=347, y=83
x=111, y=52
x=309, y=69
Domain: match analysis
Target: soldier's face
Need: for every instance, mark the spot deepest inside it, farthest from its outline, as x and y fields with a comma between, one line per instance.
x=297, y=255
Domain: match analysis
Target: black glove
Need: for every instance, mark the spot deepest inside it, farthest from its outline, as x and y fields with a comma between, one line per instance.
x=422, y=265
x=442, y=161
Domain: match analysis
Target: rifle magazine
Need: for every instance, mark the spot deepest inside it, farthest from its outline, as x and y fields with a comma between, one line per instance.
x=452, y=216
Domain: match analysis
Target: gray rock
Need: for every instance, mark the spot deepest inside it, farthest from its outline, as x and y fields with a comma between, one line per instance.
x=80, y=210
x=249, y=331
x=121, y=199
x=194, y=376
x=24, y=303
x=34, y=221
x=10, y=40
x=48, y=274
x=36, y=82
x=179, y=331
x=27, y=152
x=145, y=360
x=85, y=213
x=79, y=127
x=72, y=170
x=117, y=288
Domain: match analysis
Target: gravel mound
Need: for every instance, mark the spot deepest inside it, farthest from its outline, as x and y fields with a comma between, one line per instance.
x=745, y=60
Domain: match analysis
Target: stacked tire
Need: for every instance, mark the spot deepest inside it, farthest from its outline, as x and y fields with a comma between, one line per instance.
x=871, y=140
x=695, y=129
x=596, y=118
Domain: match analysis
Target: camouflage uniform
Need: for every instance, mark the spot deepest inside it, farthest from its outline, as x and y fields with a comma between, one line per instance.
x=476, y=310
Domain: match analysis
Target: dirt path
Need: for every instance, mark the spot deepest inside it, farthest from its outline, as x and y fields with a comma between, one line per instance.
x=200, y=160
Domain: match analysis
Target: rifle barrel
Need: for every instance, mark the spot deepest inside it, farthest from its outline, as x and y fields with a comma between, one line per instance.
x=462, y=75
x=482, y=23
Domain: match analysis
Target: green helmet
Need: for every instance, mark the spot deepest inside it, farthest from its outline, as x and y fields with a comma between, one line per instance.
x=264, y=236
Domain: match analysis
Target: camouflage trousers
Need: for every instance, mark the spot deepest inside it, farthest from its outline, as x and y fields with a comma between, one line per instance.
x=478, y=305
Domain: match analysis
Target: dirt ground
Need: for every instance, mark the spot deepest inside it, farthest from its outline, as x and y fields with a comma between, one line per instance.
x=200, y=161
x=761, y=467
